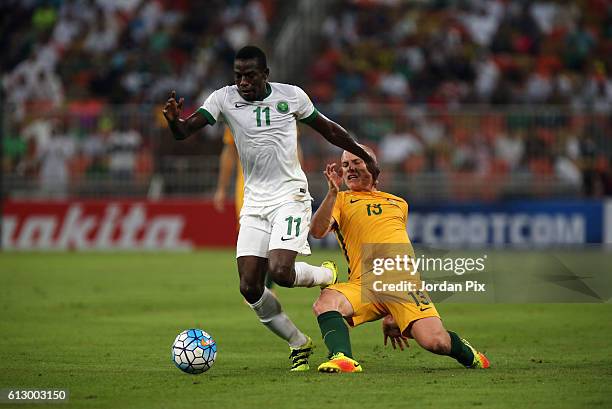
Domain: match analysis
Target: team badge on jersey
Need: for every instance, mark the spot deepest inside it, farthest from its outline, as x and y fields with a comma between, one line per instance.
x=282, y=107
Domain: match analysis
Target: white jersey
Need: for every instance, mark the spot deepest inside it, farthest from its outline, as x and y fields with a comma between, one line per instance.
x=265, y=134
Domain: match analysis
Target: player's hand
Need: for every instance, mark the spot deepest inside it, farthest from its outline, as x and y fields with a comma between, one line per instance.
x=391, y=331
x=219, y=201
x=172, y=110
x=333, y=174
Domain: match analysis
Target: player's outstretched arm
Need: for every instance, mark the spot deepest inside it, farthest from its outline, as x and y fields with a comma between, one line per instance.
x=322, y=220
x=181, y=128
x=338, y=136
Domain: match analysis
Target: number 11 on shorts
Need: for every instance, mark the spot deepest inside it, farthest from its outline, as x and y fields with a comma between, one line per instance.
x=290, y=221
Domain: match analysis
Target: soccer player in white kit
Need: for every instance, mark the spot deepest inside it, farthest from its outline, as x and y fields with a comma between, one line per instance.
x=275, y=217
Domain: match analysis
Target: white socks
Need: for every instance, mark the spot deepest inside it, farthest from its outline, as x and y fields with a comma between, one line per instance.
x=269, y=310
x=311, y=276
x=270, y=313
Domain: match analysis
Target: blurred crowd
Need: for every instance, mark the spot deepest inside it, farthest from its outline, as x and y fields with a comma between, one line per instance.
x=393, y=72
x=123, y=51
x=448, y=53
x=460, y=55
x=539, y=152
x=69, y=65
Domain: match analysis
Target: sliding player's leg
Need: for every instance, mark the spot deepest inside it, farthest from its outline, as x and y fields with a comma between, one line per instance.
x=431, y=335
x=420, y=320
x=334, y=305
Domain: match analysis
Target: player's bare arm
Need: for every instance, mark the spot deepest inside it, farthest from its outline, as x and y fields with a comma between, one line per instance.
x=181, y=128
x=322, y=221
x=338, y=136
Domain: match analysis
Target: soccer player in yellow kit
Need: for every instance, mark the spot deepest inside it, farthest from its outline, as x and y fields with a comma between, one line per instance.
x=365, y=215
x=227, y=162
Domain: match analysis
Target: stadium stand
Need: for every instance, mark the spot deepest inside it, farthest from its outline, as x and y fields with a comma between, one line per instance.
x=461, y=99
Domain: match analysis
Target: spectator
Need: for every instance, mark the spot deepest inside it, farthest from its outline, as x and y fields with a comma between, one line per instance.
x=123, y=145
x=53, y=157
x=399, y=146
x=511, y=148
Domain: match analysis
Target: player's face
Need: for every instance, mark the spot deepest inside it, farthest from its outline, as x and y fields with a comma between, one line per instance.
x=250, y=79
x=355, y=174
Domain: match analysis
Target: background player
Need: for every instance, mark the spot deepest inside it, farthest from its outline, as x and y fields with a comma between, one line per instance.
x=362, y=215
x=229, y=162
x=275, y=217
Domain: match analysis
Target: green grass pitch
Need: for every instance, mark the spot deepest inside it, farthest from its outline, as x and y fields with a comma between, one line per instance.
x=101, y=325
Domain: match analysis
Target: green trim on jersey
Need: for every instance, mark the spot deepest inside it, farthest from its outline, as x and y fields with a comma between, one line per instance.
x=340, y=238
x=207, y=114
x=310, y=117
x=268, y=90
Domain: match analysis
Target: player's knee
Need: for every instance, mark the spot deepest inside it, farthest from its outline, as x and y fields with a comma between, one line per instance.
x=438, y=343
x=251, y=291
x=320, y=306
x=282, y=274
x=327, y=301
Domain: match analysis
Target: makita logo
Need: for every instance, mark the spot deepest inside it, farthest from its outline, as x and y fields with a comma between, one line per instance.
x=116, y=227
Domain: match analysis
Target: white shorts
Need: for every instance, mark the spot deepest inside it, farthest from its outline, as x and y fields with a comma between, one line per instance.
x=284, y=226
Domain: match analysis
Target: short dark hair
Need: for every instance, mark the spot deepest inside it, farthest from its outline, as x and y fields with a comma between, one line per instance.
x=252, y=52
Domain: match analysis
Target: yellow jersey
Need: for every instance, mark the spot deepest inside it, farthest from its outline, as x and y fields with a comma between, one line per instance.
x=228, y=139
x=368, y=218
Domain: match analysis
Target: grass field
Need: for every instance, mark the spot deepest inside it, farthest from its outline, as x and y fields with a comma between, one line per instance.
x=101, y=325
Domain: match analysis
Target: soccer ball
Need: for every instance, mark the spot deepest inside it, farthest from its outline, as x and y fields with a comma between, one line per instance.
x=194, y=351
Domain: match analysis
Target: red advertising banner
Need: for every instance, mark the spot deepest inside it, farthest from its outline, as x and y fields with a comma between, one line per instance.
x=116, y=225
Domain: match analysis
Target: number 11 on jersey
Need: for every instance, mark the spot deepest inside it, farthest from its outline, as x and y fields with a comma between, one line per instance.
x=290, y=220
x=258, y=112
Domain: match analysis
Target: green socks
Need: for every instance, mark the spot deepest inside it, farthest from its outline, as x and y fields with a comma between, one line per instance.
x=336, y=337
x=268, y=283
x=460, y=351
x=335, y=333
